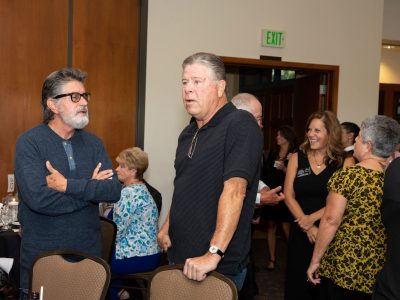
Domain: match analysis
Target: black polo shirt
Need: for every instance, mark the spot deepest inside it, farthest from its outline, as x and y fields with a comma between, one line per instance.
x=229, y=145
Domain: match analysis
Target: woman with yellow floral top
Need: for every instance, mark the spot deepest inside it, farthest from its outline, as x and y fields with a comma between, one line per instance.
x=351, y=242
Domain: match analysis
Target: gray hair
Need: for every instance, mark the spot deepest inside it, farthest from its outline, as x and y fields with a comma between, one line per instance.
x=53, y=85
x=243, y=101
x=382, y=132
x=212, y=61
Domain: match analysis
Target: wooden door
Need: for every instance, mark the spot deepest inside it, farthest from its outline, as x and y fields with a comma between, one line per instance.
x=105, y=44
x=34, y=42
x=288, y=103
x=306, y=101
x=315, y=88
x=278, y=110
x=389, y=100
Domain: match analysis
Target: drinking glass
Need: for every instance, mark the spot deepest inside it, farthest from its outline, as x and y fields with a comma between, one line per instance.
x=5, y=217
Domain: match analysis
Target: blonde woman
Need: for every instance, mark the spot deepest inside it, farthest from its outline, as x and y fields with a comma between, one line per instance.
x=136, y=216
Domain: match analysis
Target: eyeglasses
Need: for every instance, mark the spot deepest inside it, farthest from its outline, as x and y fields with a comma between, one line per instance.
x=75, y=97
x=193, y=144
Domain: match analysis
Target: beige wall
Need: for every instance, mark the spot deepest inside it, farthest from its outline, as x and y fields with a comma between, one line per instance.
x=390, y=59
x=340, y=32
x=391, y=21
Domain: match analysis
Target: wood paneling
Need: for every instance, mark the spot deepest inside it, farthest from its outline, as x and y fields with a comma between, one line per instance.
x=33, y=37
x=105, y=45
x=389, y=100
x=36, y=39
x=278, y=110
x=306, y=102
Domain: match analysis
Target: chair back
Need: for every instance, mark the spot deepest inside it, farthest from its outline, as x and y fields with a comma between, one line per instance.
x=66, y=275
x=108, y=234
x=169, y=283
x=157, y=197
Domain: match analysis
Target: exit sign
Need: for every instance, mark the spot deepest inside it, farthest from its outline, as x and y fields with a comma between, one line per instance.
x=273, y=38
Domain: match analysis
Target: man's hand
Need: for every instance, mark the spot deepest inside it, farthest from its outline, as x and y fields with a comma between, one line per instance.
x=163, y=240
x=271, y=197
x=196, y=268
x=105, y=174
x=55, y=180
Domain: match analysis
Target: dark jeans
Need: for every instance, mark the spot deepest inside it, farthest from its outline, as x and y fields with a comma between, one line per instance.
x=250, y=288
x=23, y=295
x=238, y=279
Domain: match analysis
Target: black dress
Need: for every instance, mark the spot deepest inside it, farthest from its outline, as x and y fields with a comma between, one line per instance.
x=388, y=279
x=273, y=178
x=311, y=192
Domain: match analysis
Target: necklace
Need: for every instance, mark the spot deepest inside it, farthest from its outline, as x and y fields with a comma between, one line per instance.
x=318, y=164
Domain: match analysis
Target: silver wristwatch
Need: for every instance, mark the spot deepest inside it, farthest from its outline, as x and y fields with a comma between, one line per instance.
x=215, y=250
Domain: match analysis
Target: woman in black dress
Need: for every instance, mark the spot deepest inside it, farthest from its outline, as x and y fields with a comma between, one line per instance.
x=274, y=171
x=307, y=176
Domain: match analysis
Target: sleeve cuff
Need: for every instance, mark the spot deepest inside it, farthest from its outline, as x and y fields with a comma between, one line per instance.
x=258, y=198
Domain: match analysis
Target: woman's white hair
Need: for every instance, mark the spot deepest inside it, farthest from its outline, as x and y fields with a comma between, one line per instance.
x=382, y=132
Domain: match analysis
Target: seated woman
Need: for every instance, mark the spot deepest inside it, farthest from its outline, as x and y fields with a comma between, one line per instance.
x=136, y=216
x=351, y=242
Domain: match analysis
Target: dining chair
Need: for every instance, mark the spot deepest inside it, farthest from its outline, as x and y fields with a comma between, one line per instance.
x=66, y=275
x=108, y=235
x=157, y=197
x=169, y=283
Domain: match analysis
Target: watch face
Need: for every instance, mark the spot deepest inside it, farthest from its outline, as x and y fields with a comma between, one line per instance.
x=213, y=249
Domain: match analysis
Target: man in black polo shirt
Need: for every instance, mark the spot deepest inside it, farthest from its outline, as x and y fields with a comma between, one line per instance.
x=217, y=171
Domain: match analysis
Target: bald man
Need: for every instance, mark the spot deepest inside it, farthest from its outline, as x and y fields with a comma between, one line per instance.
x=250, y=103
x=265, y=196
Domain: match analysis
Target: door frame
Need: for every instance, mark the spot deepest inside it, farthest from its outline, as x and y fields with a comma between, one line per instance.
x=329, y=102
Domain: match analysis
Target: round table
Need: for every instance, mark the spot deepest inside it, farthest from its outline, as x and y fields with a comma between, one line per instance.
x=10, y=243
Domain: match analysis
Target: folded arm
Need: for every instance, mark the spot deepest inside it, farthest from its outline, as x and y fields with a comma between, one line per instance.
x=31, y=173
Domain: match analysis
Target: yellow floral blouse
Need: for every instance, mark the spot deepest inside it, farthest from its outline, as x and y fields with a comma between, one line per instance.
x=357, y=252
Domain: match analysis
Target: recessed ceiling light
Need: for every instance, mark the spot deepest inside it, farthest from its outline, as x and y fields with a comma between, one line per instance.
x=391, y=45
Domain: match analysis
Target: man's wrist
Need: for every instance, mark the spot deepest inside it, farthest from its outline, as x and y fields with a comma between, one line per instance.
x=65, y=185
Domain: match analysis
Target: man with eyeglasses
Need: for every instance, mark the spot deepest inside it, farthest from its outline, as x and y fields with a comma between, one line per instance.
x=265, y=195
x=62, y=173
x=217, y=170
x=250, y=103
